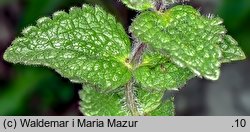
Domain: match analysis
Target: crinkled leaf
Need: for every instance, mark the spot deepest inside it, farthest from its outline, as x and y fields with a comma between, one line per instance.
x=230, y=50
x=148, y=100
x=190, y=39
x=157, y=72
x=165, y=109
x=86, y=45
x=139, y=4
x=95, y=103
x=164, y=76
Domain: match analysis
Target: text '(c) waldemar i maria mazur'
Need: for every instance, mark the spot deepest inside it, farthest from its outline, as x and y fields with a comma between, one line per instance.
x=78, y=123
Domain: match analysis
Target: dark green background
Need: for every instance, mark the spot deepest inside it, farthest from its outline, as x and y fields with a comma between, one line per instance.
x=26, y=90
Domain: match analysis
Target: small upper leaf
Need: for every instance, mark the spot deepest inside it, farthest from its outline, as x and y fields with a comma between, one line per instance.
x=163, y=76
x=148, y=100
x=84, y=45
x=230, y=50
x=94, y=103
x=139, y=5
x=191, y=40
x=165, y=109
x=152, y=58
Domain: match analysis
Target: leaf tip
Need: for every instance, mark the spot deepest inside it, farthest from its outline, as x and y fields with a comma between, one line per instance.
x=243, y=56
x=214, y=76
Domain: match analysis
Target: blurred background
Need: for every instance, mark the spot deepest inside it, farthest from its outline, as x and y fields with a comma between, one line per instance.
x=26, y=90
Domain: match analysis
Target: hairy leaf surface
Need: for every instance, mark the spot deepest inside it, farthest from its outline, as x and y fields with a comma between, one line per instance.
x=191, y=40
x=164, y=76
x=165, y=109
x=231, y=51
x=95, y=103
x=148, y=100
x=86, y=45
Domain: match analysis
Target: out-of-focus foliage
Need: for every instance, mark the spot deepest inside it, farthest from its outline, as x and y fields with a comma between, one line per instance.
x=236, y=15
x=29, y=80
x=4, y=2
x=35, y=9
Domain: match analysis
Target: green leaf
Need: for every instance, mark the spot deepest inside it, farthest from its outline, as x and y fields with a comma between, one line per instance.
x=191, y=40
x=231, y=51
x=158, y=73
x=87, y=45
x=139, y=5
x=148, y=100
x=95, y=103
x=163, y=76
x=165, y=109
x=152, y=58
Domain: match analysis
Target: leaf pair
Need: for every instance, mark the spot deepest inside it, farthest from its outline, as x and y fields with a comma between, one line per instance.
x=148, y=102
x=87, y=46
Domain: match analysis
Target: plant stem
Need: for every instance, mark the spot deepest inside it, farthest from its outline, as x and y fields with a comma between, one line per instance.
x=159, y=5
x=137, y=54
x=135, y=60
x=131, y=99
